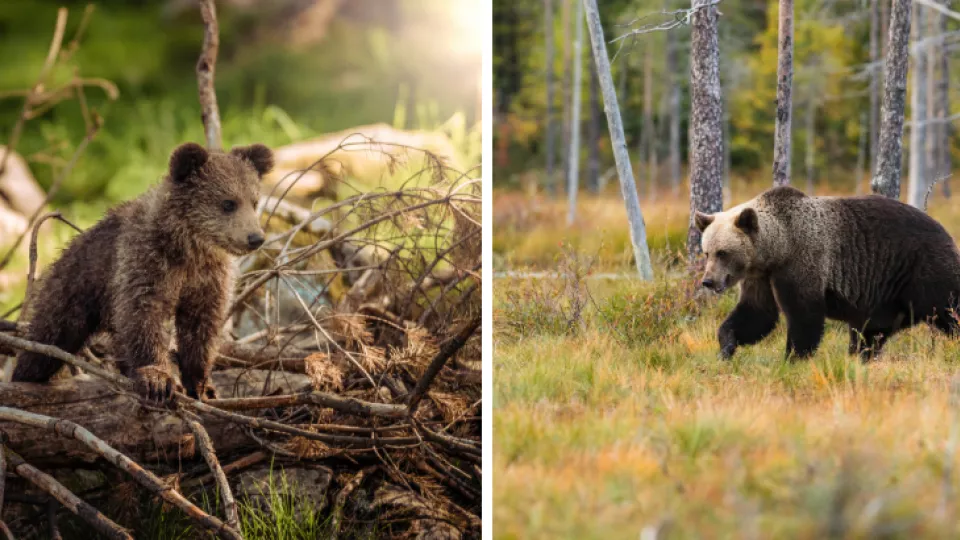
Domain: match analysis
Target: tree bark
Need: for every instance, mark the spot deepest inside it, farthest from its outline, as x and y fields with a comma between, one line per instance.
x=918, y=116
x=638, y=232
x=809, y=128
x=593, y=131
x=573, y=174
x=862, y=159
x=874, y=81
x=781, y=138
x=673, y=110
x=942, y=104
x=650, y=139
x=706, y=122
x=886, y=182
x=567, y=83
x=144, y=434
x=548, y=43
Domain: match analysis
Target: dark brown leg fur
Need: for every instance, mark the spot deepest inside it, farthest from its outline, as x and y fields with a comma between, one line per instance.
x=199, y=317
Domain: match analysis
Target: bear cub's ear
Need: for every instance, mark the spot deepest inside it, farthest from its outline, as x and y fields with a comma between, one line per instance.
x=186, y=159
x=703, y=220
x=259, y=155
x=747, y=221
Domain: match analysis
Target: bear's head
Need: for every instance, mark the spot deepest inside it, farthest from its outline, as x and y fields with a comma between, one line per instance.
x=215, y=194
x=729, y=242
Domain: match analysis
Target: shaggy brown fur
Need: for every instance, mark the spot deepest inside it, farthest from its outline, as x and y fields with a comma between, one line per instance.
x=874, y=263
x=166, y=254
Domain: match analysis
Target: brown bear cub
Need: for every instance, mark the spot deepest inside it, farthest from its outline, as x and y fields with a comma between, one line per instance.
x=874, y=263
x=167, y=254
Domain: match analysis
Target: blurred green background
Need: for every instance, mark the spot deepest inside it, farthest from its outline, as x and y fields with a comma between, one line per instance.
x=287, y=70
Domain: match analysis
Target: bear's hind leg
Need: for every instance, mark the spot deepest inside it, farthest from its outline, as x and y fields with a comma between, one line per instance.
x=64, y=330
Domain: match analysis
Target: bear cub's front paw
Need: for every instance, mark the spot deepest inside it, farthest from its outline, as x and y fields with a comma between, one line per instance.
x=202, y=390
x=155, y=384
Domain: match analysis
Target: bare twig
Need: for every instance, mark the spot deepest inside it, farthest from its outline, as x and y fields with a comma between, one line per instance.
x=205, y=445
x=145, y=478
x=206, y=69
x=242, y=463
x=322, y=399
x=6, y=531
x=446, y=351
x=31, y=274
x=56, y=490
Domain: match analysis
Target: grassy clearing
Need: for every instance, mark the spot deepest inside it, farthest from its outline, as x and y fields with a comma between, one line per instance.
x=618, y=417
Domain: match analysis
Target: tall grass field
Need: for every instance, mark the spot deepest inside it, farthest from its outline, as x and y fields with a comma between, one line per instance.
x=615, y=418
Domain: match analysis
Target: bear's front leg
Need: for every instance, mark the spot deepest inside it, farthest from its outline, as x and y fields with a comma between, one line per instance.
x=143, y=302
x=199, y=318
x=805, y=309
x=755, y=316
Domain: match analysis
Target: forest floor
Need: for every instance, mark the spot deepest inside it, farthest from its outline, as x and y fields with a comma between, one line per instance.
x=615, y=418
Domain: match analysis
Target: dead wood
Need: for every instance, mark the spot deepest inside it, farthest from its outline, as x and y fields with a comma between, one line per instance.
x=210, y=456
x=206, y=70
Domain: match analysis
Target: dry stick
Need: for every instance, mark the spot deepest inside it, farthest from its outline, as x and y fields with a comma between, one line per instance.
x=241, y=463
x=341, y=499
x=202, y=438
x=6, y=530
x=56, y=490
x=321, y=399
x=54, y=187
x=52, y=54
x=3, y=473
x=447, y=350
x=147, y=479
x=31, y=274
x=206, y=69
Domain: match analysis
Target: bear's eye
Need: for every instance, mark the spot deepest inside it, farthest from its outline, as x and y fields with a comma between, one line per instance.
x=720, y=254
x=229, y=206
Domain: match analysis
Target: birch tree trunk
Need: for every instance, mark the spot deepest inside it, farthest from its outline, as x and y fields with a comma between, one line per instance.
x=874, y=81
x=593, y=131
x=548, y=42
x=942, y=104
x=887, y=179
x=672, y=82
x=706, y=122
x=918, y=116
x=574, y=174
x=567, y=84
x=809, y=127
x=862, y=159
x=648, y=135
x=638, y=232
x=781, y=137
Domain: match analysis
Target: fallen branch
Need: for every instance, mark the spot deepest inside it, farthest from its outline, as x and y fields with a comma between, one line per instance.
x=323, y=399
x=446, y=351
x=205, y=445
x=55, y=489
x=145, y=478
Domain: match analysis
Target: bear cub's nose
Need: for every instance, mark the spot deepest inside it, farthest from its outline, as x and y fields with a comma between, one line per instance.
x=254, y=240
x=708, y=283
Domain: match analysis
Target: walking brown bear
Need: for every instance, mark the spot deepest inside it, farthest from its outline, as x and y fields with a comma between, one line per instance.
x=167, y=254
x=872, y=262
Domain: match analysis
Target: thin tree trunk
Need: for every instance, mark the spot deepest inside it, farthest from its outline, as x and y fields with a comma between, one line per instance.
x=781, y=137
x=593, y=131
x=943, y=108
x=884, y=28
x=887, y=179
x=673, y=109
x=811, y=141
x=874, y=80
x=706, y=122
x=574, y=174
x=861, y=155
x=932, y=135
x=918, y=116
x=649, y=136
x=548, y=39
x=638, y=232
x=567, y=84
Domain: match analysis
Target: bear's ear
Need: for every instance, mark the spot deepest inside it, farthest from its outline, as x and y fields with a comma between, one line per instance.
x=259, y=155
x=185, y=160
x=703, y=220
x=747, y=221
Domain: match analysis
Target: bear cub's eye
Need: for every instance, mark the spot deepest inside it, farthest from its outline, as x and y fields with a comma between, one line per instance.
x=721, y=254
x=229, y=206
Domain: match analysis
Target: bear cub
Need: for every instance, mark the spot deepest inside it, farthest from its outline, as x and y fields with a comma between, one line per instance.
x=165, y=255
x=876, y=264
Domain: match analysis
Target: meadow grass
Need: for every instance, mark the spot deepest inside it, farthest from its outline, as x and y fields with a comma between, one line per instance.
x=618, y=419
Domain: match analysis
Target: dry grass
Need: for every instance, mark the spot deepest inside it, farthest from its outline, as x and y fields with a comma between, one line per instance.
x=627, y=425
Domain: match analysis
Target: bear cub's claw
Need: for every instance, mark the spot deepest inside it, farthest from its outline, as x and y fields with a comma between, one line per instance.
x=156, y=384
x=202, y=391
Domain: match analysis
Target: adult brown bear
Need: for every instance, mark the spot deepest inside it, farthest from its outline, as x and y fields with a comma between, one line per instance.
x=872, y=262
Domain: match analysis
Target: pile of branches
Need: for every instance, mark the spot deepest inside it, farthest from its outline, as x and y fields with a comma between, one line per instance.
x=352, y=351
